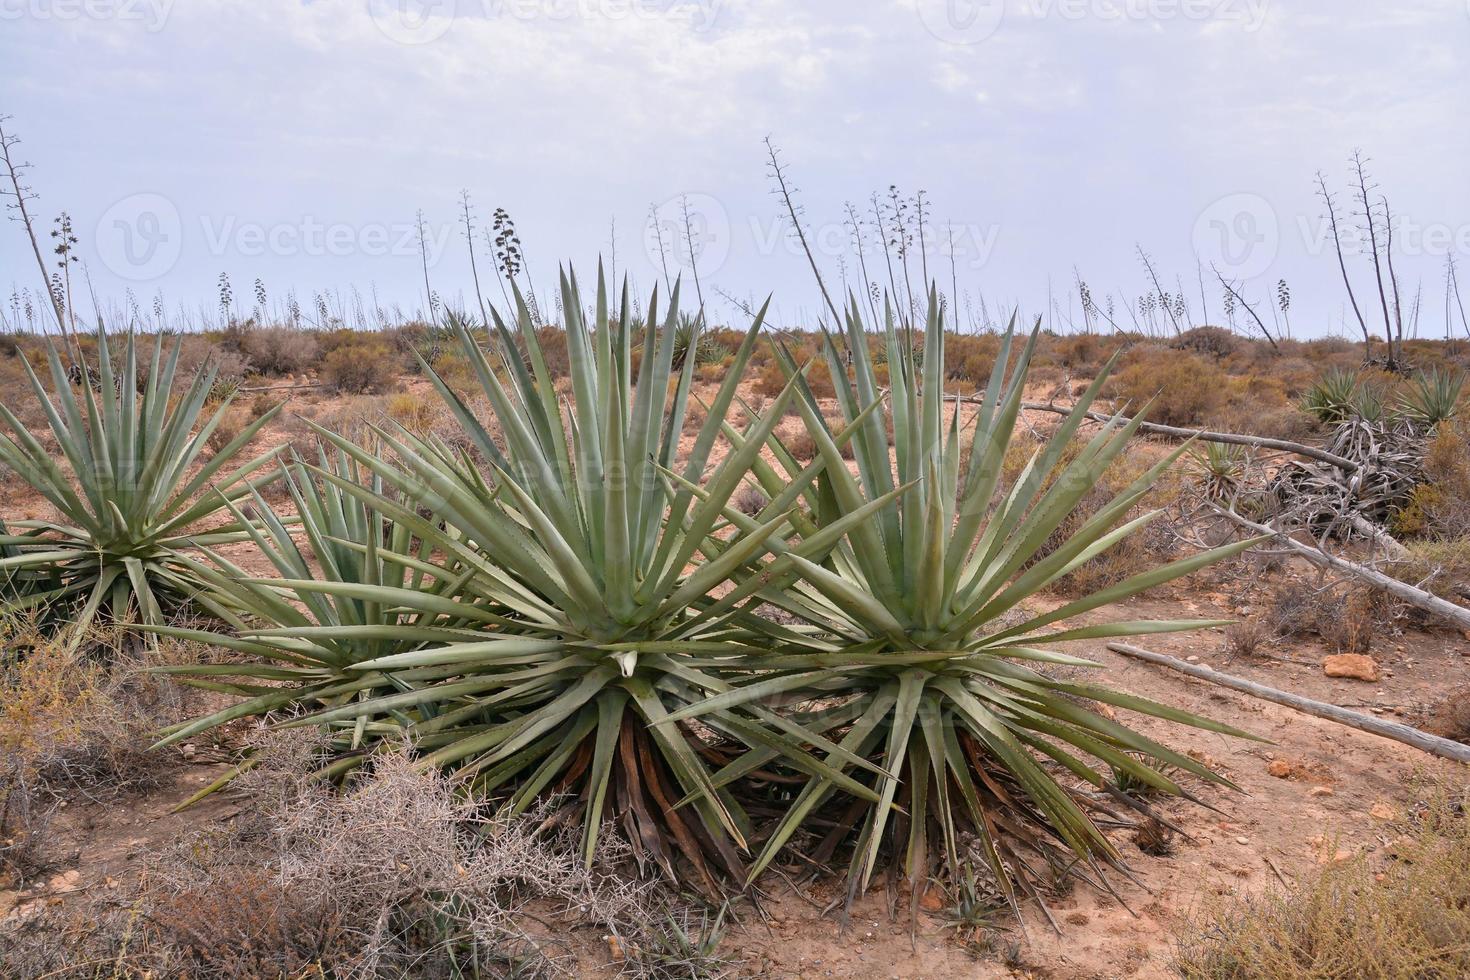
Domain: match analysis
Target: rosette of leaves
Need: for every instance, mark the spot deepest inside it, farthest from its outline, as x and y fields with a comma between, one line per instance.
x=600, y=571
x=133, y=487
x=924, y=659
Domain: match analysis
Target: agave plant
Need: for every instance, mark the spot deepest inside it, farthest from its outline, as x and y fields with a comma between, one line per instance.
x=1432, y=397
x=1332, y=397
x=593, y=573
x=24, y=589
x=926, y=662
x=333, y=607
x=1220, y=466
x=125, y=484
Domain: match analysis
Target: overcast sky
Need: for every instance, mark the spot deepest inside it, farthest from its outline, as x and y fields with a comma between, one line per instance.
x=294, y=142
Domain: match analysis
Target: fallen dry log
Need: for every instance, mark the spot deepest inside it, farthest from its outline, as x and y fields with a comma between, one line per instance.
x=1418, y=598
x=1255, y=442
x=1443, y=747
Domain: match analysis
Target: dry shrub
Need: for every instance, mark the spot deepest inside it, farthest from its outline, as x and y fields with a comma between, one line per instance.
x=1083, y=353
x=1214, y=341
x=1144, y=549
x=802, y=446
x=750, y=499
x=279, y=351
x=455, y=370
x=1404, y=917
x=249, y=925
x=553, y=342
x=1346, y=623
x=230, y=425
x=1439, y=508
x=74, y=723
x=770, y=379
x=1189, y=387
x=399, y=873
x=1244, y=639
x=970, y=358
x=360, y=368
x=414, y=412
x=1352, y=632
x=1449, y=717
x=1442, y=567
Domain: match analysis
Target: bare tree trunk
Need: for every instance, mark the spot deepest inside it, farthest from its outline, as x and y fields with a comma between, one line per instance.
x=23, y=194
x=1398, y=310
x=1157, y=288
x=1377, y=265
x=469, y=239
x=779, y=173
x=1418, y=598
x=1342, y=265
x=694, y=263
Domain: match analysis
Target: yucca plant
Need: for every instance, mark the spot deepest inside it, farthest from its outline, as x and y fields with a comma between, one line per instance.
x=24, y=589
x=1221, y=467
x=1432, y=397
x=1331, y=398
x=364, y=588
x=600, y=572
x=124, y=483
x=926, y=662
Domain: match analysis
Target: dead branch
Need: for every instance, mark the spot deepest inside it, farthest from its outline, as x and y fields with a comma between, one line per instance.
x=1248, y=308
x=778, y=173
x=1342, y=264
x=1425, y=742
x=1230, y=438
x=1418, y=598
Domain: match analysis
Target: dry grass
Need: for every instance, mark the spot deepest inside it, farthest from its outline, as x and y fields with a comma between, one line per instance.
x=399, y=874
x=1402, y=915
x=73, y=723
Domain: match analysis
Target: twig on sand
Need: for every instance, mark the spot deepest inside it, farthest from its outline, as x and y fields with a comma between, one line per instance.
x=1433, y=744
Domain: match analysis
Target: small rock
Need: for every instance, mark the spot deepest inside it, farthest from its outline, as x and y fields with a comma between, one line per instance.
x=1193, y=660
x=1320, y=791
x=1384, y=812
x=1354, y=666
x=1242, y=840
x=1279, y=768
x=931, y=901
x=65, y=880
